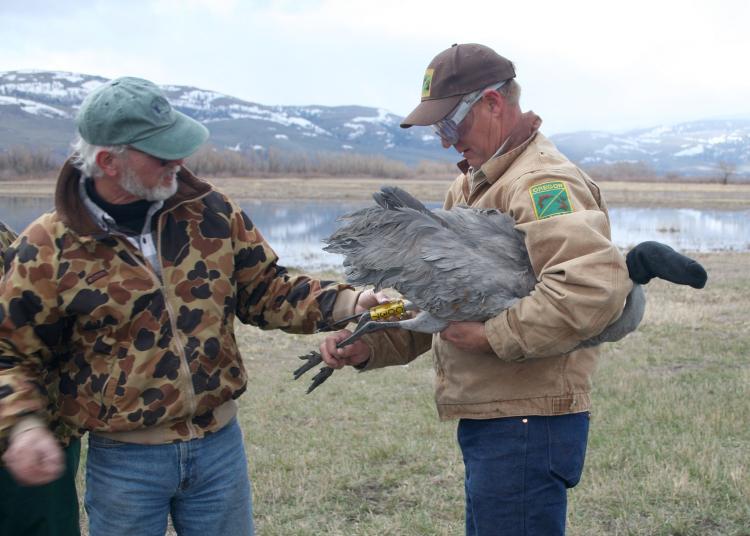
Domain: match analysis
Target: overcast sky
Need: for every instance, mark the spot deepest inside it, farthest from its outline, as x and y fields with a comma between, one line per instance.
x=583, y=65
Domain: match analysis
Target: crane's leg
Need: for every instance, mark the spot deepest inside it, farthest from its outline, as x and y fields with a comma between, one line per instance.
x=424, y=322
x=632, y=314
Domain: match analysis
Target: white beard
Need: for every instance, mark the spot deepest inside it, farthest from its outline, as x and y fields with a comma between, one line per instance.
x=132, y=184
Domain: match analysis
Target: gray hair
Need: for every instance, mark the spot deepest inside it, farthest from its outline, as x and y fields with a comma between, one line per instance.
x=511, y=92
x=84, y=156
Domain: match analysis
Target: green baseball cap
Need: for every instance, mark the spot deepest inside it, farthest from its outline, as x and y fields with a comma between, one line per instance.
x=455, y=72
x=135, y=112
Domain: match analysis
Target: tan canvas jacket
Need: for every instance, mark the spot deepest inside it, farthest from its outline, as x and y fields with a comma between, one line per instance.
x=139, y=348
x=583, y=283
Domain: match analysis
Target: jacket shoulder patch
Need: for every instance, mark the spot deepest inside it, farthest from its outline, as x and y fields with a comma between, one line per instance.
x=550, y=199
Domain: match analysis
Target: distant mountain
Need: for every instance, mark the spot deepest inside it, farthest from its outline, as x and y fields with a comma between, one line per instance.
x=693, y=148
x=37, y=110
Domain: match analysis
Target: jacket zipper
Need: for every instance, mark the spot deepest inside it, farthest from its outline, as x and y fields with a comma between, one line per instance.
x=189, y=391
x=184, y=365
x=180, y=347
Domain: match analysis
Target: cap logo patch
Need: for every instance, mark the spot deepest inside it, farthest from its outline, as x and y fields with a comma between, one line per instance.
x=427, y=82
x=160, y=106
x=550, y=199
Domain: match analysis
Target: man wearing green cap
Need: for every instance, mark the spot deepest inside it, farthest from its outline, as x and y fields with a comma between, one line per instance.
x=129, y=290
x=520, y=392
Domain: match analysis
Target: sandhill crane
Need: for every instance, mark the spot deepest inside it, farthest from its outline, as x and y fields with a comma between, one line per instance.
x=464, y=264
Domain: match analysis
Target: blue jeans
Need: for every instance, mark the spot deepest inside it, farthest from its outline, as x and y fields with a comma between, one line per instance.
x=203, y=483
x=518, y=470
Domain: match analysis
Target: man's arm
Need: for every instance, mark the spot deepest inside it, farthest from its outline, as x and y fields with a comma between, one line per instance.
x=268, y=297
x=583, y=278
x=468, y=336
x=375, y=350
x=34, y=456
x=28, y=317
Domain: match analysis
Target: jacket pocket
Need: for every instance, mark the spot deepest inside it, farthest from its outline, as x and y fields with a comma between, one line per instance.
x=115, y=380
x=568, y=436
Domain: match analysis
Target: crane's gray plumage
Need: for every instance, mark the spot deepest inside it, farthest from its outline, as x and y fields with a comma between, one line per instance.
x=467, y=264
x=459, y=264
x=455, y=265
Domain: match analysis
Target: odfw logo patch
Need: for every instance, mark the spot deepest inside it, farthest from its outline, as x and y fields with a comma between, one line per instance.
x=427, y=82
x=550, y=199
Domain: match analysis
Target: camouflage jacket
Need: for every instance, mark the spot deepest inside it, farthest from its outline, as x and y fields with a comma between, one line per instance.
x=135, y=350
x=7, y=236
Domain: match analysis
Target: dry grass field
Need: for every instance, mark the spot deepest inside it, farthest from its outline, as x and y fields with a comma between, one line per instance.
x=694, y=195
x=668, y=453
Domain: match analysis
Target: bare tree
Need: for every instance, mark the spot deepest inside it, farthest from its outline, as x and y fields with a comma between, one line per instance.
x=726, y=169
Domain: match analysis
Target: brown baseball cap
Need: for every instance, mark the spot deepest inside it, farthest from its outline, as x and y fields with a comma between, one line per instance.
x=452, y=74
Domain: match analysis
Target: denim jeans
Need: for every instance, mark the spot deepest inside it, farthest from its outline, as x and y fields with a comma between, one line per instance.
x=203, y=483
x=518, y=470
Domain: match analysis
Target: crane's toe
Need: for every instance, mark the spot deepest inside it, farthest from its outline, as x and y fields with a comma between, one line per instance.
x=312, y=359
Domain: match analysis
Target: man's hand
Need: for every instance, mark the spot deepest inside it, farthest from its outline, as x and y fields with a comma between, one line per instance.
x=468, y=336
x=353, y=354
x=34, y=457
x=369, y=298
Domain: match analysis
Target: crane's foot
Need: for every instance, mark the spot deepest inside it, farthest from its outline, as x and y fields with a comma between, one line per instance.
x=313, y=359
x=369, y=321
x=323, y=374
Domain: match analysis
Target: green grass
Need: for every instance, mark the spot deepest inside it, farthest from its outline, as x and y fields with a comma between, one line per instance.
x=668, y=451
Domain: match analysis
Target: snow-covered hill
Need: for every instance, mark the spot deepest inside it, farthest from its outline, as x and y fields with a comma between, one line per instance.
x=31, y=100
x=690, y=148
x=37, y=110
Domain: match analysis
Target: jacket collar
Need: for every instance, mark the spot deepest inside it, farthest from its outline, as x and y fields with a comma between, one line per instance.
x=104, y=221
x=514, y=145
x=75, y=208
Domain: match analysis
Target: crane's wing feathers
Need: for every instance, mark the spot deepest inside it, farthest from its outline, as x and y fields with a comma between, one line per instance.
x=462, y=264
x=392, y=197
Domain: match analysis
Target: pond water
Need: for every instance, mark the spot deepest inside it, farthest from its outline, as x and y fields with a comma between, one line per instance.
x=295, y=228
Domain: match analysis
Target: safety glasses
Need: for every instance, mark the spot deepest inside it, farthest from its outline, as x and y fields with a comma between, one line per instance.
x=447, y=128
x=162, y=161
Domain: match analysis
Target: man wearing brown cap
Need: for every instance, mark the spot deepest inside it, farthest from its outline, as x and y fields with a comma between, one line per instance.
x=522, y=396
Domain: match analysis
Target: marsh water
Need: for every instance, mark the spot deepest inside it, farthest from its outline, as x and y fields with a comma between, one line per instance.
x=295, y=229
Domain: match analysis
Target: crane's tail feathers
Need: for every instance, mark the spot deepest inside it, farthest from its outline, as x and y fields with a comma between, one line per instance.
x=653, y=259
x=390, y=197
